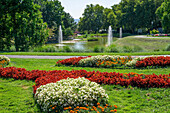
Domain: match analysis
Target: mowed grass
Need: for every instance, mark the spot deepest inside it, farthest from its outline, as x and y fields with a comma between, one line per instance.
x=16, y=96
x=148, y=44
x=84, y=54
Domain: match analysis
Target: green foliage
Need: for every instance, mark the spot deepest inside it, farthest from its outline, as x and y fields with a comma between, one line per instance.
x=45, y=49
x=92, y=18
x=109, y=18
x=154, y=31
x=128, y=14
x=164, y=14
x=68, y=31
x=113, y=48
x=22, y=22
x=54, y=14
x=92, y=39
x=67, y=49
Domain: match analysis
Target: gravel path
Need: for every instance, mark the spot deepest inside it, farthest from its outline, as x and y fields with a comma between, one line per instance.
x=51, y=57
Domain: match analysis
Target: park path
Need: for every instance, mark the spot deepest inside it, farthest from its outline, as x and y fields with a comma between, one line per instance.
x=55, y=57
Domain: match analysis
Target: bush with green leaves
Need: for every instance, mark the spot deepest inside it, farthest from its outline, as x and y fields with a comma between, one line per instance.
x=154, y=31
x=92, y=39
x=69, y=92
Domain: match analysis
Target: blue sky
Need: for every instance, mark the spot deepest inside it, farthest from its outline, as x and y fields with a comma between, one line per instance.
x=76, y=7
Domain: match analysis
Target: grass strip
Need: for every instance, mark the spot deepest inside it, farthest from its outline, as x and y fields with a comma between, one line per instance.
x=84, y=54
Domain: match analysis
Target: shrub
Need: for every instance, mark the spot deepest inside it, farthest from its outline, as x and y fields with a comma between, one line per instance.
x=45, y=49
x=4, y=61
x=67, y=49
x=69, y=92
x=113, y=48
x=154, y=31
x=92, y=39
x=127, y=49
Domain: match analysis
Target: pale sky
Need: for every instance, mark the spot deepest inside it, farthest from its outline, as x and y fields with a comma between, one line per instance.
x=76, y=7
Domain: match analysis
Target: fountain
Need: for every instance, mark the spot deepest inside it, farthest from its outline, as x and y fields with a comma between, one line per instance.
x=110, y=36
x=60, y=37
x=120, y=32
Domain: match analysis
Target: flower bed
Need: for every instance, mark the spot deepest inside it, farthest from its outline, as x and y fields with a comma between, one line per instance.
x=45, y=77
x=4, y=61
x=69, y=92
x=96, y=61
x=108, y=61
x=154, y=61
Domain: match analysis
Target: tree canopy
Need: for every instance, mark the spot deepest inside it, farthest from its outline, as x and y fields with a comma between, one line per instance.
x=25, y=23
x=21, y=22
x=164, y=14
x=128, y=14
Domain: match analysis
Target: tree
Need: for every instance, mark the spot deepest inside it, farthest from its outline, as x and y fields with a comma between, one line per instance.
x=109, y=18
x=92, y=18
x=54, y=14
x=69, y=24
x=164, y=14
x=26, y=26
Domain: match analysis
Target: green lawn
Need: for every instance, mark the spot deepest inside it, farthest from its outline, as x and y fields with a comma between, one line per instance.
x=16, y=96
x=84, y=54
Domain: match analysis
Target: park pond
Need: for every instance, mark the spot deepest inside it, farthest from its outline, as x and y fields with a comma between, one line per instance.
x=85, y=45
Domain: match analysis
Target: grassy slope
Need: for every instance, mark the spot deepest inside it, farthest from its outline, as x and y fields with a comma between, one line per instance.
x=84, y=54
x=149, y=44
x=16, y=95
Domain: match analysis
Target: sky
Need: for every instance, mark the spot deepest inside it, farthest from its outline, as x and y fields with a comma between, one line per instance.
x=76, y=7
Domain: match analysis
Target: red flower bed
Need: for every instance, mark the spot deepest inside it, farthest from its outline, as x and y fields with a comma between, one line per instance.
x=44, y=77
x=70, y=61
x=154, y=61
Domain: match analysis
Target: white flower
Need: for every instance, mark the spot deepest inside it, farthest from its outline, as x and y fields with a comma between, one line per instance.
x=69, y=92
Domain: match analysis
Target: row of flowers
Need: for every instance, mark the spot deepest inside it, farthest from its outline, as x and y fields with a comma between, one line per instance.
x=154, y=61
x=4, y=61
x=71, y=61
x=44, y=77
x=116, y=61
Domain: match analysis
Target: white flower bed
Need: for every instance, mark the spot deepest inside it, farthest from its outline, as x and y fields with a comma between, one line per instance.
x=91, y=61
x=69, y=92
